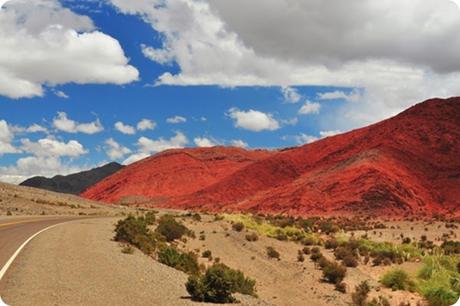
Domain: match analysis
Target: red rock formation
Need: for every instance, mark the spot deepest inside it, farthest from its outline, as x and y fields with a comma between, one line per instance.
x=405, y=165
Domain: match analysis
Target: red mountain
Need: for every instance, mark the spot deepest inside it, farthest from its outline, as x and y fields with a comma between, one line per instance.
x=408, y=164
x=173, y=173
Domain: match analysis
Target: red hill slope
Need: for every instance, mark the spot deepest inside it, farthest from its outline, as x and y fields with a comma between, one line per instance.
x=406, y=165
x=173, y=173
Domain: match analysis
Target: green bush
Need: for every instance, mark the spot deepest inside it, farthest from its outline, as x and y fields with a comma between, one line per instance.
x=440, y=297
x=398, y=279
x=272, y=253
x=334, y=272
x=150, y=217
x=218, y=284
x=186, y=262
x=169, y=228
x=134, y=231
x=359, y=296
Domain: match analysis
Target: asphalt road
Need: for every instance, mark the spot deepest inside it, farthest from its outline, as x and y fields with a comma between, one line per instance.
x=15, y=231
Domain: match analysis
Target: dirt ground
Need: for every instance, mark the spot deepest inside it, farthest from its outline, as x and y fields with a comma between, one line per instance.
x=77, y=263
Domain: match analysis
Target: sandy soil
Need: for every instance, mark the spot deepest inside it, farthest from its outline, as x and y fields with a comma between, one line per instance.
x=77, y=264
x=287, y=282
x=20, y=200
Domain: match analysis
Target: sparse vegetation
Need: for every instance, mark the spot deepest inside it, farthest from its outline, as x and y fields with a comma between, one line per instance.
x=127, y=249
x=252, y=237
x=218, y=284
x=169, y=228
x=334, y=272
x=238, y=226
x=359, y=296
x=134, y=230
x=398, y=279
x=186, y=262
x=272, y=253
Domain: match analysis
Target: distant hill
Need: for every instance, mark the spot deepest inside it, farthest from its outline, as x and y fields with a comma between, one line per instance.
x=407, y=165
x=74, y=183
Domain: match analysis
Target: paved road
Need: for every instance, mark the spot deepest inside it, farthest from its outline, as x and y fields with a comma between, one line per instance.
x=15, y=231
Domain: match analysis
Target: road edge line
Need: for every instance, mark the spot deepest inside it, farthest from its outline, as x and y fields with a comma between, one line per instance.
x=15, y=254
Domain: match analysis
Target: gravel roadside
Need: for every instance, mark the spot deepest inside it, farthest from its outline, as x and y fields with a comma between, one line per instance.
x=77, y=264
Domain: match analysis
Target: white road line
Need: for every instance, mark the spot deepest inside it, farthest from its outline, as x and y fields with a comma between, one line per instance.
x=10, y=261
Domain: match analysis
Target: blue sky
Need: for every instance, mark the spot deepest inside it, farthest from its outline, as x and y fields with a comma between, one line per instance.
x=212, y=72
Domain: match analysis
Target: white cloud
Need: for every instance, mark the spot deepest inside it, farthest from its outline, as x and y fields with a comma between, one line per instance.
x=146, y=124
x=310, y=108
x=395, y=60
x=53, y=148
x=160, y=56
x=239, y=143
x=253, y=120
x=114, y=150
x=147, y=146
x=204, y=142
x=44, y=43
x=6, y=138
x=63, y=123
x=61, y=94
x=176, y=120
x=291, y=95
x=36, y=128
x=124, y=128
x=305, y=138
x=353, y=96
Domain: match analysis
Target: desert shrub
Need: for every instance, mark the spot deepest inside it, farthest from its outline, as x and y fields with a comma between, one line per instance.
x=202, y=237
x=280, y=235
x=134, y=231
x=398, y=279
x=451, y=247
x=322, y=262
x=359, y=296
x=169, y=228
x=334, y=272
x=185, y=262
x=341, y=287
x=439, y=280
x=272, y=253
x=306, y=250
x=316, y=256
x=252, y=237
x=206, y=254
x=300, y=257
x=218, y=284
x=9, y=213
x=150, y=217
x=196, y=217
x=238, y=226
x=350, y=261
x=127, y=249
x=331, y=244
x=342, y=252
x=440, y=297
x=328, y=227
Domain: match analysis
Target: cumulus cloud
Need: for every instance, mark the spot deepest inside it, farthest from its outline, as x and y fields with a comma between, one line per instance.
x=36, y=128
x=305, y=138
x=45, y=159
x=61, y=94
x=114, y=150
x=49, y=147
x=176, y=120
x=253, y=120
x=397, y=59
x=353, y=96
x=310, y=108
x=204, y=142
x=44, y=43
x=124, y=128
x=239, y=143
x=291, y=95
x=146, y=124
x=6, y=138
x=147, y=146
x=63, y=123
